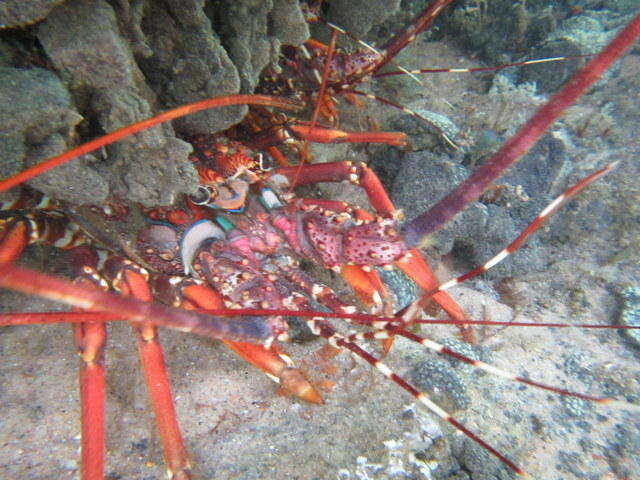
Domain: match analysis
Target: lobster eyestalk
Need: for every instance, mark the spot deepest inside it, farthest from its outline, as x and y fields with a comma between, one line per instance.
x=471, y=189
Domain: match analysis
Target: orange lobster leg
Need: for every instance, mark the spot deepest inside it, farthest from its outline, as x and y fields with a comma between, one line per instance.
x=414, y=266
x=331, y=135
x=317, y=134
x=411, y=264
x=358, y=174
x=15, y=237
x=130, y=281
x=365, y=284
x=90, y=339
x=271, y=361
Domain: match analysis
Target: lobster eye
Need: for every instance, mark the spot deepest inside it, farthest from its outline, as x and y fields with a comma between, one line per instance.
x=203, y=195
x=265, y=162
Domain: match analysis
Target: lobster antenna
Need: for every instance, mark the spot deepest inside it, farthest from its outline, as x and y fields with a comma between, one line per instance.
x=485, y=69
x=413, y=309
x=391, y=331
x=380, y=323
x=323, y=329
x=522, y=141
x=127, y=130
x=401, y=40
x=408, y=111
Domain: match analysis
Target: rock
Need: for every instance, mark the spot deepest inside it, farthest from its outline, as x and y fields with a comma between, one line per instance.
x=437, y=378
x=17, y=13
x=83, y=40
x=253, y=31
x=630, y=312
x=288, y=23
x=75, y=182
x=358, y=17
x=37, y=117
x=188, y=63
x=487, y=226
x=577, y=35
x=536, y=29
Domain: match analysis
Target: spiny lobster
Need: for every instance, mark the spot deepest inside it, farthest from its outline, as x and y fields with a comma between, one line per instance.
x=544, y=117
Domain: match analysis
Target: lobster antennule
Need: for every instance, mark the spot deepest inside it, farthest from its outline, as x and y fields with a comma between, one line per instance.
x=471, y=189
x=125, y=131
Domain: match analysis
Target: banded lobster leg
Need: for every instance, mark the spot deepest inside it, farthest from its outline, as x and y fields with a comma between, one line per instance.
x=411, y=262
x=54, y=228
x=18, y=230
x=190, y=294
x=129, y=279
x=90, y=338
x=324, y=329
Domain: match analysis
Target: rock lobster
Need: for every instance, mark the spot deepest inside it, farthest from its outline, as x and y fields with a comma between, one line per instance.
x=546, y=115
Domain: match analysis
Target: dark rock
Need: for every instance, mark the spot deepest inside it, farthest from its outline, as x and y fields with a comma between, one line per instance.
x=423, y=179
x=536, y=29
x=18, y=13
x=188, y=64
x=83, y=40
x=485, y=227
x=499, y=26
x=478, y=462
x=442, y=382
x=358, y=17
x=37, y=116
x=577, y=35
x=630, y=311
x=400, y=285
x=253, y=31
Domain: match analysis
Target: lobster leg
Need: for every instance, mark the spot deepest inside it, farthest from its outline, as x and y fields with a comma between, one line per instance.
x=324, y=329
x=15, y=237
x=90, y=338
x=276, y=364
x=319, y=134
x=412, y=262
x=20, y=228
x=131, y=280
x=365, y=282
